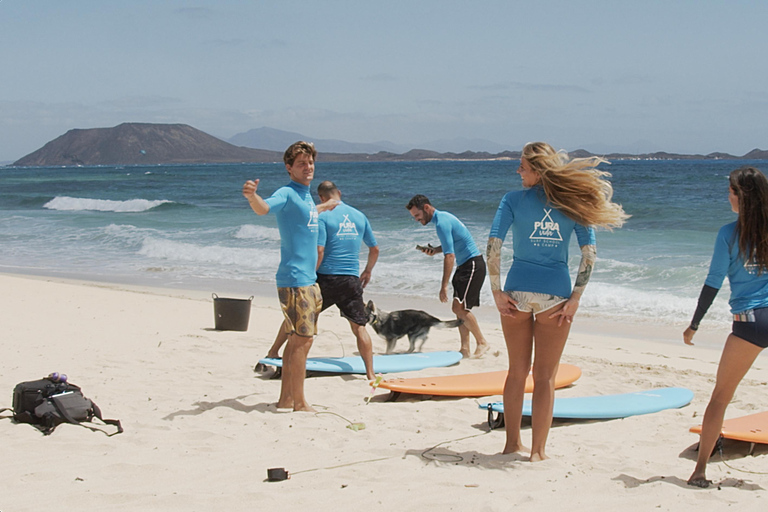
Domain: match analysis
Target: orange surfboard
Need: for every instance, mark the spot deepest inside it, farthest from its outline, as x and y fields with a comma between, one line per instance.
x=475, y=384
x=752, y=428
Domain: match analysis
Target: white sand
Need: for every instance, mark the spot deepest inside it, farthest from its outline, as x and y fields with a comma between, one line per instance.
x=201, y=428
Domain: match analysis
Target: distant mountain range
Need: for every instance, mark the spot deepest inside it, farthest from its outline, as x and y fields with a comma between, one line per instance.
x=278, y=140
x=145, y=143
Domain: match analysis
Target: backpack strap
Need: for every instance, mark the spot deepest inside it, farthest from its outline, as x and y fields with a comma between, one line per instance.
x=96, y=412
x=116, y=423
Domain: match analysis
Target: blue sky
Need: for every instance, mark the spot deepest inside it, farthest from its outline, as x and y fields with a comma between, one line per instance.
x=678, y=76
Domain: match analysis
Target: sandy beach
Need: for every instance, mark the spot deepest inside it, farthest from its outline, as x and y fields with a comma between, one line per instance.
x=201, y=427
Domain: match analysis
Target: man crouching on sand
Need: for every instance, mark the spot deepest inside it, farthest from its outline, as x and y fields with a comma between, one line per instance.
x=297, y=289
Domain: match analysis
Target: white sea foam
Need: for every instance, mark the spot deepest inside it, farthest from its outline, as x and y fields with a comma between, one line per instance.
x=65, y=203
x=251, y=231
x=622, y=303
x=248, y=259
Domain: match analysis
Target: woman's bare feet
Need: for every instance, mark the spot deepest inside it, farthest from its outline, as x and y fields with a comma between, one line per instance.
x=538, y=457
x=699, y=480
x=517, y=448
x=303, y=408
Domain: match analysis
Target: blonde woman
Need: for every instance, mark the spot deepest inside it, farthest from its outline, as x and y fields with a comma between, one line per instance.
x=536, y=303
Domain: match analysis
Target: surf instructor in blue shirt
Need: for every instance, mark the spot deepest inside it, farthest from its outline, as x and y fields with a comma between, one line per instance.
x=341, y=233
x=297, y=289
x=458, y=248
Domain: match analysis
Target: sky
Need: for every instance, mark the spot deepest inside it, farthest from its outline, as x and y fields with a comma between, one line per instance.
x=603, y=75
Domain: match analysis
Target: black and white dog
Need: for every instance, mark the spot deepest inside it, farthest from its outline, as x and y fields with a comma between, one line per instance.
x=414, y=323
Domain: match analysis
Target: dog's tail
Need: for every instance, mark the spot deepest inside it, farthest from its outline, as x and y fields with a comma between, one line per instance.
x=448, y=324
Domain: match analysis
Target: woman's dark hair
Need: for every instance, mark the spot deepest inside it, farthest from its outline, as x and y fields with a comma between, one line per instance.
x=751, y=187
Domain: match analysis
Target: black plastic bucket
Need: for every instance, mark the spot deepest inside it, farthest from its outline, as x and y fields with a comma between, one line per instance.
x=231, y=314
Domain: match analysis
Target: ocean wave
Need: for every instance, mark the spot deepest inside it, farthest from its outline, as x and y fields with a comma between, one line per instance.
x=251, y=259
x=255, y=232
x=65, y=203
x=623, y=303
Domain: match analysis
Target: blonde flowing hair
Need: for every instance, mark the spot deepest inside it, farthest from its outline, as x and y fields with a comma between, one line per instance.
x=575, y=186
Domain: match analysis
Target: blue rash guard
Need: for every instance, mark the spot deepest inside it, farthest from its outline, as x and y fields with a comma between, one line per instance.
x=454, y=237
x=748, y=289
x=540, y=238
x=342, y=231
x=297, y=221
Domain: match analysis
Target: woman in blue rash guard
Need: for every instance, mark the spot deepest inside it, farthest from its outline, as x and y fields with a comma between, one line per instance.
x=741, y=253
x=560, y=197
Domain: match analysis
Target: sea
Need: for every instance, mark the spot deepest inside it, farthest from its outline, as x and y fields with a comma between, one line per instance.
x=189, y=227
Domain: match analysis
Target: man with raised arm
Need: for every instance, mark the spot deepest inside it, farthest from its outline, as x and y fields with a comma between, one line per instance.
x=297, y=289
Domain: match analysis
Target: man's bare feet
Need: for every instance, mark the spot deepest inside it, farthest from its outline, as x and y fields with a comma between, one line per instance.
x=481, y=349
x=538, y=457
x=303, y=408
x=464, y=353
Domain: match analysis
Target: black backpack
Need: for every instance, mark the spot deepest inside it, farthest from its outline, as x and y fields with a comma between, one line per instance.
x=49, y=402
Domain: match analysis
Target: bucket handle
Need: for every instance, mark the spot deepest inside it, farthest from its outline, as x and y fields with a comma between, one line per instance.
x=216, y=296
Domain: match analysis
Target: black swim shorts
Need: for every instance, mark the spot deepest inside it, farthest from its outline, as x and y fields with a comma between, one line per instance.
x=752, y=326
x=346, y=293
x=468, y=281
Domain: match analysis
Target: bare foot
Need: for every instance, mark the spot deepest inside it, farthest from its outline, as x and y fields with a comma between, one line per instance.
x=538, y=457
x=481, y=349
x=303, y=408
x=519, y=448
x=287, y=404
x=699, y=481
x=464, y=353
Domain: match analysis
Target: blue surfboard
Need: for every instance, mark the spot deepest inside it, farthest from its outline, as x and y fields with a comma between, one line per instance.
x=611, y=406
x=381, y=364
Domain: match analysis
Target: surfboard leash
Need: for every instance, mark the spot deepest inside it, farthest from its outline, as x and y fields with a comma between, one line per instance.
x=374, y=385
x=455, y=457
x=719, y=447
x=356, y=426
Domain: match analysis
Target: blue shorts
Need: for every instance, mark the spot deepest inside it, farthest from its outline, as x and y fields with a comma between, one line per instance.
x=752, y=326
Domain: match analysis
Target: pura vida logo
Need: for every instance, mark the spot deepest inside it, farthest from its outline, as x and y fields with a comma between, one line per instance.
x=546, y=230
x=347, y=228
x=312, y=218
